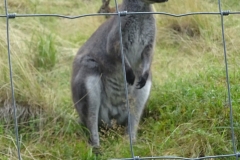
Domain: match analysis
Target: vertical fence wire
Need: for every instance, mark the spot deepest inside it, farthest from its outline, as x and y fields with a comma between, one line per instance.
x=125, y=80
x=11, y=82
x=227, y=80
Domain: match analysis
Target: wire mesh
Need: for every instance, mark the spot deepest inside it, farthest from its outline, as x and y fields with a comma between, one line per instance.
x=120, y=14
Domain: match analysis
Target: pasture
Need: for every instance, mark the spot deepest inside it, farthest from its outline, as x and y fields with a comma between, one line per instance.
x=187, y=114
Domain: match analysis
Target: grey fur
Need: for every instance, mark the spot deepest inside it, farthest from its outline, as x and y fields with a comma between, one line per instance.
x=97, y=79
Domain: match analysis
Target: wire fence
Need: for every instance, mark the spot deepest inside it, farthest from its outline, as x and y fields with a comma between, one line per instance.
x=118, y=13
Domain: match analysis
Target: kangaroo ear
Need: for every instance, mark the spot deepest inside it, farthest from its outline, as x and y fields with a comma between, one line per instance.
x=108, y=1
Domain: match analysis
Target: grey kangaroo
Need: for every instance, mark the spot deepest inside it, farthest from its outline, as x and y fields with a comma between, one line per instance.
x=97, y=79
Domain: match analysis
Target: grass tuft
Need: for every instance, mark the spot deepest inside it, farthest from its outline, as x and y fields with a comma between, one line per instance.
x=46, y=56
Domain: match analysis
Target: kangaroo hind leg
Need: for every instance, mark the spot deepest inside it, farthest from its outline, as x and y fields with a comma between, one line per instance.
x=86, y=91
x=136, y=113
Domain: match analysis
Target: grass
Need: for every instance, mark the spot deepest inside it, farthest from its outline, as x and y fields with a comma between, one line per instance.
x=187, y=113
x=46, y=56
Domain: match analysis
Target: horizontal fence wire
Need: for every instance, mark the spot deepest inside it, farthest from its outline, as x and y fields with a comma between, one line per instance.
x=120, y=14
x=183, y=158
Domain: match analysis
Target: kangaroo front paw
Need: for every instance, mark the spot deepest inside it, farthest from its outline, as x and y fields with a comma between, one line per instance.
x=142, y=81
x=130, y=76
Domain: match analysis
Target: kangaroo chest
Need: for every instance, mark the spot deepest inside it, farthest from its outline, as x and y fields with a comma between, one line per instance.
x=138, y=32
x=113, y=106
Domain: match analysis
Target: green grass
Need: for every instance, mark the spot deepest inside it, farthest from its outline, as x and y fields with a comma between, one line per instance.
x=187, y=113
x=46, y=56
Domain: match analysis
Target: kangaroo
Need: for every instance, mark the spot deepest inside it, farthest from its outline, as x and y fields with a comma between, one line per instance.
x=97, y=81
